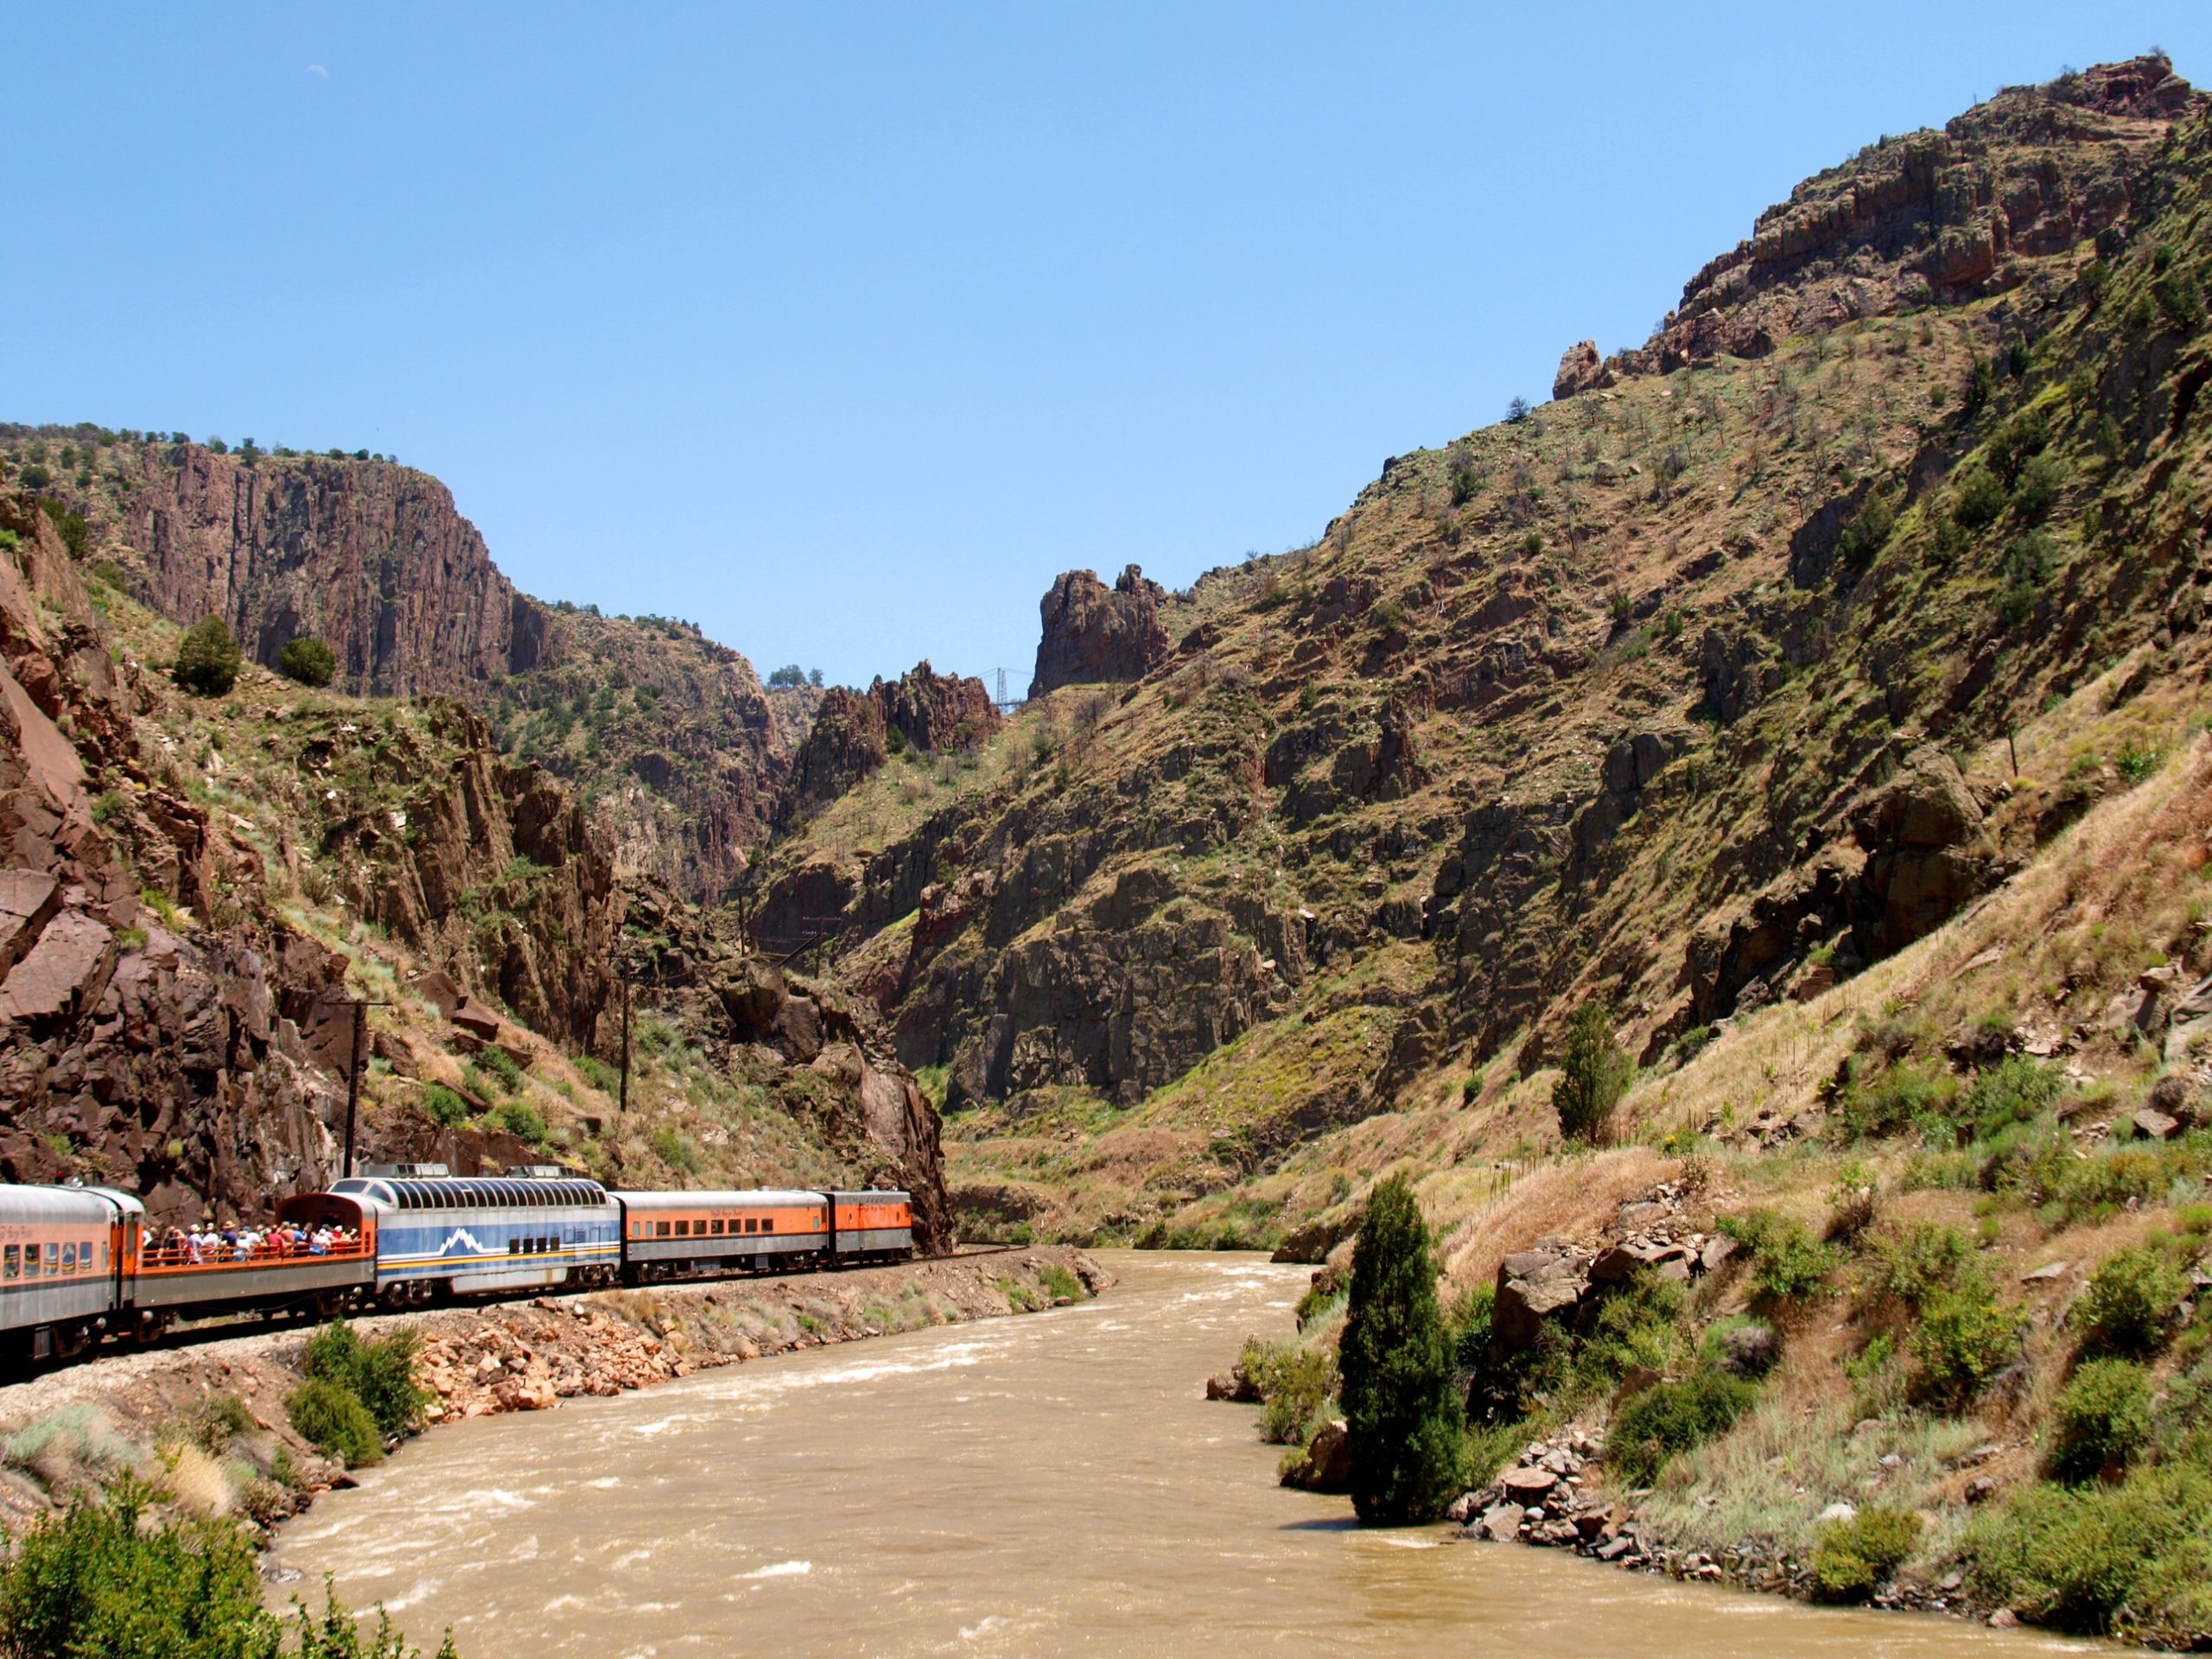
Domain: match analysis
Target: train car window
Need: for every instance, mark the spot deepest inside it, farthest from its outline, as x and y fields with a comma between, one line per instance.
x=68, y=1258
x=52, y=1258
x=715, y=1226
x=660, y=1229
x=768, y=1224
x=514, y=1247
x=11, y=1262
x=684, y=1229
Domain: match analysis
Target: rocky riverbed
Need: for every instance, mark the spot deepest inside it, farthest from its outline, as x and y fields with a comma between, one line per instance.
x=76, y=1425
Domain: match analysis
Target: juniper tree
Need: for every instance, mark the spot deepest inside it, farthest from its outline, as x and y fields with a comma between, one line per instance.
x=1593, y=1075
x=1404, y=1415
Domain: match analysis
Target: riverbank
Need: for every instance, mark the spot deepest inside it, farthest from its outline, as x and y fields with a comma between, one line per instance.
x=206, y=1419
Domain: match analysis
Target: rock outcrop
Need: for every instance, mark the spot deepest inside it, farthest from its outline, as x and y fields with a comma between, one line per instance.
x=1094, y=633
x=1927, y=217
x=855, y=732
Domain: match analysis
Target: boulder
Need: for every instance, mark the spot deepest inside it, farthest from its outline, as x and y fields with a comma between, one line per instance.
x=2155, y=1125
x=476, y=1020
x=1327, y=1465
x=1534, y=1285
x=1527, y=1487
x=1501, y=1523
x=63, y=974
x=28, y=901
x=1581, y=369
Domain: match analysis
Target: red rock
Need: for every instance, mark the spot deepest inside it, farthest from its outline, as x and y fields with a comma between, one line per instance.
x=63, y=972
x=28, y=901
x=1093, y=633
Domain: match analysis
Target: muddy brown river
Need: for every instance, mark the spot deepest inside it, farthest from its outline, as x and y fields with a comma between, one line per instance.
x=1050, y=1485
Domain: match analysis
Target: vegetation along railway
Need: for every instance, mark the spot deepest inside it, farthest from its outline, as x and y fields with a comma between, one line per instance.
x=79, y=1264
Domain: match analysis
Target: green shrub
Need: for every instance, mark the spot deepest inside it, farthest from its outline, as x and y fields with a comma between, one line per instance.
x=2037, y=489
x=1404, y=1416
x=208, y=661
x=1672, y=1417
x=520, y=1119
x=1914, y=1263
x=329, y=1417
x=1852, y=1557
x=308, y=660
x=2016, y=1090
x=502, y=1065
x=106, y=1580
x=379, y=1373
x=1294, y=1381
x=1788, y=1263
x=2135, y=1558
x=1594, y=1073
x=1060, y=1282
x=1639, y=1325
x=675, y=1149
x=67, y=525
x=1906, y=1095
x=1977, y=498
x=1965, y=1336
x=2102, y=1421
x=2129, y=1304
x=216, y=1422
x=442, y=1106
x=599, y=1074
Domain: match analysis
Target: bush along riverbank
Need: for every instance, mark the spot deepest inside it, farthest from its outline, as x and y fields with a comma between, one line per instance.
x=1872, y=1396
x=215, y=1442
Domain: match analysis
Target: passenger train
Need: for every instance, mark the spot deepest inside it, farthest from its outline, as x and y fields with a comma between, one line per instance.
x=78, y=1263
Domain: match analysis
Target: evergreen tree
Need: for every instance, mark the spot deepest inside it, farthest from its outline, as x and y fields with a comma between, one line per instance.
x=1593, y=1075
x=208, y=661
x=1405, y=1417
x=308, y=660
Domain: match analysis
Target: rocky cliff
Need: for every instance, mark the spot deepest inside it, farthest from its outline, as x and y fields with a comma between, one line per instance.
x=1094, y=632
x=1928, y=218
x=194, y=893
x=1679, y=695
x=671, y=738
x=853, y=732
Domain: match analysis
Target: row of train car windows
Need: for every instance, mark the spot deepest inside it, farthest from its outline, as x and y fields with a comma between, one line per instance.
x=25, y=1262
x=533, y=1246
x=704, y=1228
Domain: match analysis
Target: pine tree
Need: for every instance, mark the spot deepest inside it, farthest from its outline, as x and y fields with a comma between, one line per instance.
x=1593, y=1075
x=207, y=661
x=1405, y=1417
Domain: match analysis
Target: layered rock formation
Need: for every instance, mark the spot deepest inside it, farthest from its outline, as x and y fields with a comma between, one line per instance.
x=1093, y=633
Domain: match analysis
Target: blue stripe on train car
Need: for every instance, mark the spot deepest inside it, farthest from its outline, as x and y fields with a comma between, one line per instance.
x=414, y=1245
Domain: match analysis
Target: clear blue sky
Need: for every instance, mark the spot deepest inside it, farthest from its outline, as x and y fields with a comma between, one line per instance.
x=841, y=330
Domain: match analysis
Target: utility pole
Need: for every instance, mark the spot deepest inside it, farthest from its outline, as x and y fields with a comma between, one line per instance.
x=624, y=1106
x=360, y=1006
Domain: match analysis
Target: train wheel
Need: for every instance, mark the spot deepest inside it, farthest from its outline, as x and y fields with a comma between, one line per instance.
x=71, y=1340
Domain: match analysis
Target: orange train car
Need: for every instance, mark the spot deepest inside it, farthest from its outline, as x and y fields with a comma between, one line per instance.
x=666, y=1235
